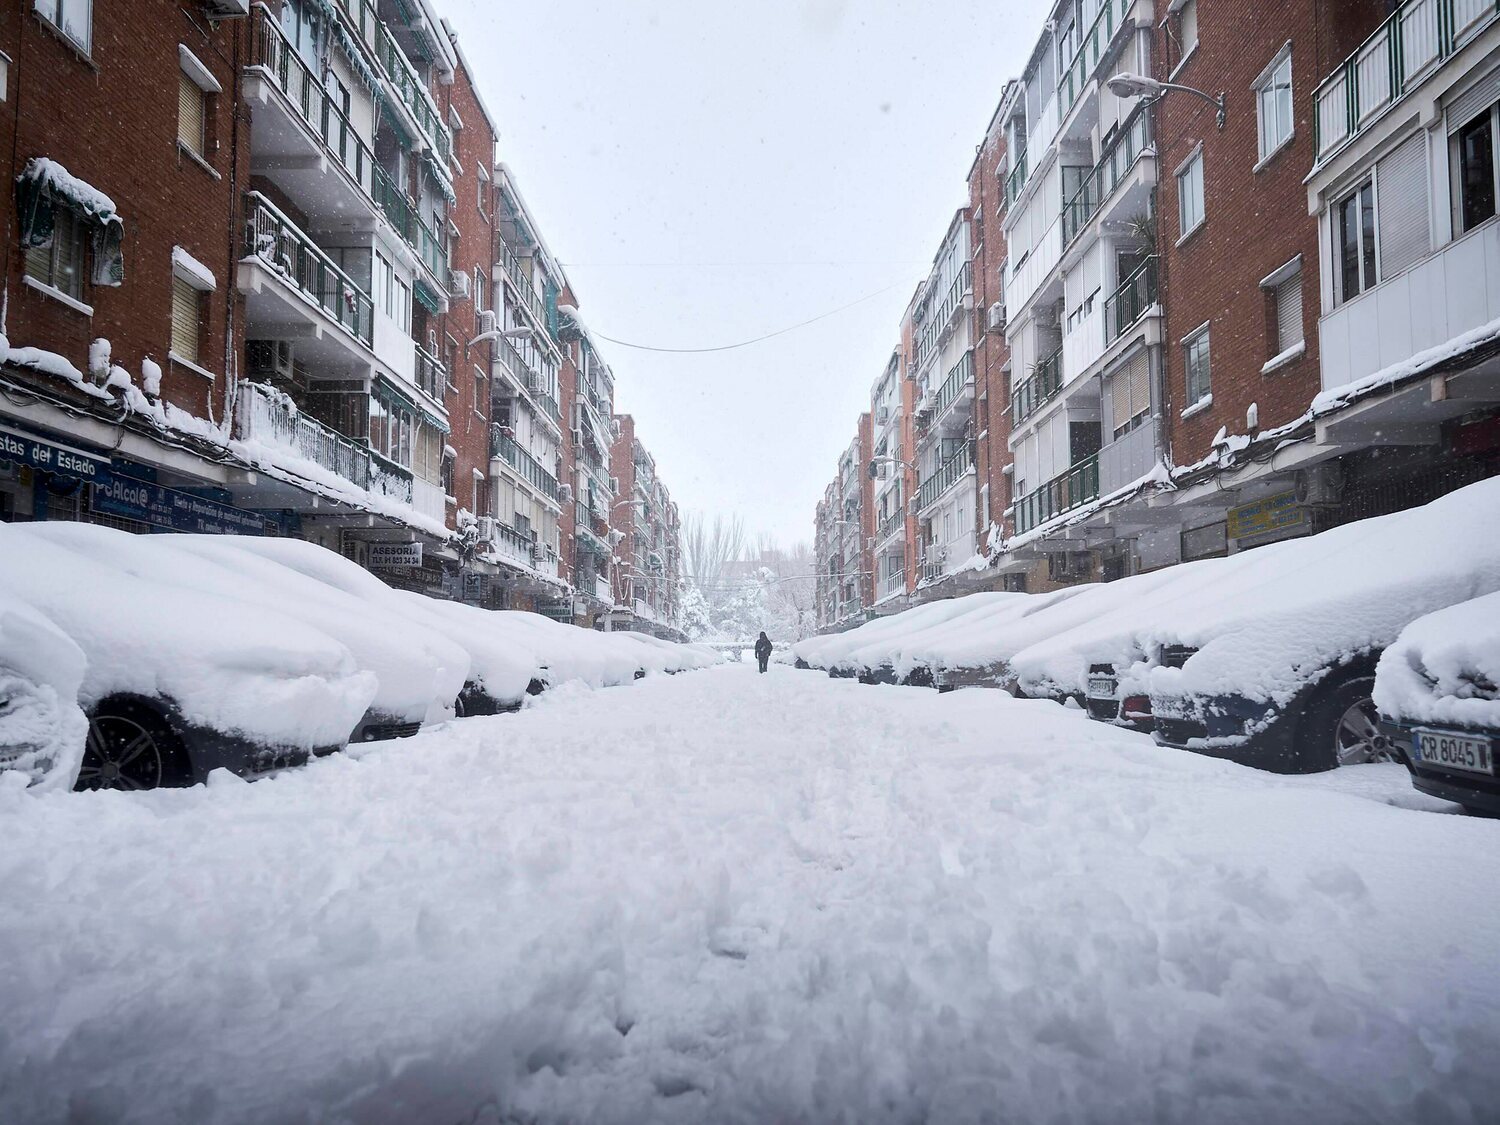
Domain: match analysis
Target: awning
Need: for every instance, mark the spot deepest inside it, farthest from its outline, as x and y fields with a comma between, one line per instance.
x=44, y=185
x=430, y=300
x=401, y=396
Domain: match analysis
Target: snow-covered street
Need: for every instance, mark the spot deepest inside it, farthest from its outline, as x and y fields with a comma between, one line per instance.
x=727, y=897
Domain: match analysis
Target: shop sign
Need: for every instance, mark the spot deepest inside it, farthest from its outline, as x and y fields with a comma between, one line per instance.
x=394, y=556
x=1274, y=513
x=476, y=586
x=560, y=611
x=49, y=457
x=167, y=507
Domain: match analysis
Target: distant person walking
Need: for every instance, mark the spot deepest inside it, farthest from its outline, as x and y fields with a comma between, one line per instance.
x=763, y=650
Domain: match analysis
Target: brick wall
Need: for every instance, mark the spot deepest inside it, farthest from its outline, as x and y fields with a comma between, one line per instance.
x=1255, y=213
x=866, y=509
x=991, y=353
x=622, y=518
x=111, y=119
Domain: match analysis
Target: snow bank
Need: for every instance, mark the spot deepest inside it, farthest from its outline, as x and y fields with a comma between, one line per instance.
x=42, y=728
x=743, y=898
x=1444, y=668
x=167, y=631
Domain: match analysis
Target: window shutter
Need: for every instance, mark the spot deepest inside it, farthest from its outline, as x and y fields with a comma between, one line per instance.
x=1404, y=234
x=1119, y=399
x=189, y=114
x=1474, y=101
x=1289, y=312
x=185, y=320
x=1140, y=384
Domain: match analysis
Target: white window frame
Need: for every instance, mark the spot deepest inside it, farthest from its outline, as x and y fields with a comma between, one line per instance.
x=1193, y=164
x=1187, y=49
x=79, y=230
x=1263, y=85
x=52, y=11
x=1189, y=342
x=1336, y=233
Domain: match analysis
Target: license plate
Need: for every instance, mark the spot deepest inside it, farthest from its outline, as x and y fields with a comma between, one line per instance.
x=1102, y=687
x=1450, y=751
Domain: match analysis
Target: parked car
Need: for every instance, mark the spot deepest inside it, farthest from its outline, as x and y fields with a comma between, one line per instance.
x=42, y=728
x=1438, y=691
x=182, y=675
x=871, y=646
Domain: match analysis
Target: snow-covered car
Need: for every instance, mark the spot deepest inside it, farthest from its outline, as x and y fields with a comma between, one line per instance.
x=42, y=728
x=565, y=653
x=182, y=675
x=498, y=673
x=866, y=649
x=667, y=656
x=1438, y=691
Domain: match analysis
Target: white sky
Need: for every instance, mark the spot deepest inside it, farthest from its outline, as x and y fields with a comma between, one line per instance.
x=708, y=173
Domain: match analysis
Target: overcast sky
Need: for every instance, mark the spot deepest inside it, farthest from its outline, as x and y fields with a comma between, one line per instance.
x=711, y=173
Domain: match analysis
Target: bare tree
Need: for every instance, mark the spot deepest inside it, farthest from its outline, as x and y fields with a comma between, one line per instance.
x=708, y=547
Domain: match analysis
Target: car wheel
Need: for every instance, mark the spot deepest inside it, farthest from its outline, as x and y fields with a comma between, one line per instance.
x=130, y=747
x=1342, y=728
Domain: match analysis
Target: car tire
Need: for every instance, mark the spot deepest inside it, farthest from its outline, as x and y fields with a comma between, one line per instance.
x=130, y=746
x=1341, y=727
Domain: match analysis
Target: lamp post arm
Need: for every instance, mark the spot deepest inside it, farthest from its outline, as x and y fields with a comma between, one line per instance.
x=1216, y=102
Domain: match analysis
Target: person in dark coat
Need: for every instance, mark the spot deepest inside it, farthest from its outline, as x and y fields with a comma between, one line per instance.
x=763, y=650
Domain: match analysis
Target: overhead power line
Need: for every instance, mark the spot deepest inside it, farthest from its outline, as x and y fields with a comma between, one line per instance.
x=756, y=340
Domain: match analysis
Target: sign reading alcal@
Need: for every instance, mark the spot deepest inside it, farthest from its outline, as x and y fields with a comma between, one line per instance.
x=394, y=556
x=169, y=508
x=48, y=456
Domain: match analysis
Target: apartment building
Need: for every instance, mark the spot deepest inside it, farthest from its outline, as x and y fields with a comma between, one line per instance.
x=891, y=494
x=647, y=539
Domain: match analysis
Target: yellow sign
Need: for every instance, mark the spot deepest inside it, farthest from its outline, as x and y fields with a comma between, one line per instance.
x=1274, y=513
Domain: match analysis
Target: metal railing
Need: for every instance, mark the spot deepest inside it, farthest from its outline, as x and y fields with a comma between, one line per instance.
x=1073, y=488
x=271, y=50
x=1090, y=50
x=1037, y=388
x=940, y=313
x=274, y=240
x=504, y=447
x=411, y=91
x=946, y=475
x=1413, y=38
x=1016, y=181
x=389, y=479
x=432, y=376
x=1105, y=176
x=510, y=265
x=961, y=376
x=269, y=417
x=1129, y=302
x=891, y=524
x=402, y=214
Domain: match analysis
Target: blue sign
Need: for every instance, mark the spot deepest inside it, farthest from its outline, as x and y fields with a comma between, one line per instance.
x=50, y=457
x=169, y=508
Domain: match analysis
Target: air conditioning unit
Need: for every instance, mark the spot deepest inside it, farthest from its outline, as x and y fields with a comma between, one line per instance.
x=269, y=359
x=486, y=320
x=882, y=416
x=459, y=283
x=913, y=506
x=565, y=493
x=226, y=9
x=538, y=552
x=486, y=527
x=995, y=319
x=938, y=555
x=614, y=485
x=1321, y=484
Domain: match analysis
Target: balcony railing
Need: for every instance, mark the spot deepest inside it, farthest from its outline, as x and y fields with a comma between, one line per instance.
x=1016, y=181
x=307, y=95
x=939, y=313
x=961, y=376
x=1091, y=49
x=1413, y=39
x=1037, y=388
x=1068, y=490
x=274, y=240
x=1100, y=183
x=947, y=475
x=1129, y=302
x=511, y=266
x=432, y=376
x=890, y=525
x=504, y=447
x=526, y=363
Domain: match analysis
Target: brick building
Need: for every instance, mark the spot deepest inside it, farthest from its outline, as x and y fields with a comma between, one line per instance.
x=646, y=535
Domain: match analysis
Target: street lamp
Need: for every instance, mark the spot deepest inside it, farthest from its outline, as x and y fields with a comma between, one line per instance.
x=1138, y=85
x=522, y=333
x=874, y=467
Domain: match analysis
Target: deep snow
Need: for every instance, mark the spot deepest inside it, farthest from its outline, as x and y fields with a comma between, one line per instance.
x=731, y=897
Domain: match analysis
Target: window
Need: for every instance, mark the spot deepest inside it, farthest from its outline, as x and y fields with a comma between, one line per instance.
x=1273, y=103
x=1354, y=234
x=1190, y=195
x=385, y=285
x=4, y=76
x=483, y=189
x=1187, y=27
x=74, y=18
x=187, y=320
x=1476, y=172
x=61, y=265
x=403, y=306
x=446, y=474
x=1130, y=395
x=191, y=115
x=1288, y=299
x=1195, y=363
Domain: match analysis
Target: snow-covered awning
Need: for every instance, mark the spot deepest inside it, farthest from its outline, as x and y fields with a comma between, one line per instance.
x=42, y=186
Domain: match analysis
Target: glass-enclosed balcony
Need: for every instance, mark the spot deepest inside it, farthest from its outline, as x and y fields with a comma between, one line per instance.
x=504, y=448
x=1091, y=49
x=1073, y=488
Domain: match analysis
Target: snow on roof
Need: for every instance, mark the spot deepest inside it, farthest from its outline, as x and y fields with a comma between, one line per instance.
x=48, y=173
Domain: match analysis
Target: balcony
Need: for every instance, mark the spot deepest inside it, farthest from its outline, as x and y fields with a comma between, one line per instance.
x=269, y=418
x=431, y=375
x=402, y=214
x=1037, y=388
x=525, y=364
x=1398, y=57
x=1128, y=458
x=1072, y=489
x=299, y=135
x=1113, y=167
x=891, y=526
x=1016, y=181
x=504, y=448
x=951, y=471
x=290, y=282
x=940, y=314
x=1131, y=301
x=510, y=266
x=1096, y=41
x=415, y=101
x=957, y=388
